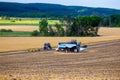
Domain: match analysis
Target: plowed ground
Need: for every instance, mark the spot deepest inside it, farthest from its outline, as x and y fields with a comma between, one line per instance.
x=100, y=61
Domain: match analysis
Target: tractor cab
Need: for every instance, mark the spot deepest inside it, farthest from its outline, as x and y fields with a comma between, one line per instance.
x=47, y=46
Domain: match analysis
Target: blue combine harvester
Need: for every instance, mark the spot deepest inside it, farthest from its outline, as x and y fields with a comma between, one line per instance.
x=72, y=46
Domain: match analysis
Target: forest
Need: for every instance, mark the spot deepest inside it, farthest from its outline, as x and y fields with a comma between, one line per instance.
x=53, y=11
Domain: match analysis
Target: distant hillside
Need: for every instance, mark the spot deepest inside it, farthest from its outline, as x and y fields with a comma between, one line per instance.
x=50, y=10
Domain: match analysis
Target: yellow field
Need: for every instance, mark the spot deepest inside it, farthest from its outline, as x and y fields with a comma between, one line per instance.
x=26, y=22
x=109, y=31
x=22, y=43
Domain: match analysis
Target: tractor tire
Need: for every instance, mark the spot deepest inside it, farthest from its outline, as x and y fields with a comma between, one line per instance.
x=75, y=50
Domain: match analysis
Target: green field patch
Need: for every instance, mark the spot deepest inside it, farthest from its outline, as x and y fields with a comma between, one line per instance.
x=15, y=34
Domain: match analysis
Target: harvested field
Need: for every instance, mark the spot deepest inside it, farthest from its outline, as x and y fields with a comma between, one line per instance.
x=20, y=28
x=99, y=62
x=103, y=31
x=22, y=43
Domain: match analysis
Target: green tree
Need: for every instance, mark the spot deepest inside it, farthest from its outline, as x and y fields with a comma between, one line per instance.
x=111, y=21
x=76, y=28
x=85, y=26
x=43, y=27
x=95, y=21
x=68, y=20
x=60, y=30
x=115, y=20
x=51, y=31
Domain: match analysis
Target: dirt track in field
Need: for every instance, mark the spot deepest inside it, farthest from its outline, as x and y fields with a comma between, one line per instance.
x=99, y=62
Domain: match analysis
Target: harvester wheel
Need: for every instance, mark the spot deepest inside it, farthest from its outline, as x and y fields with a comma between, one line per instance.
x=75, y=50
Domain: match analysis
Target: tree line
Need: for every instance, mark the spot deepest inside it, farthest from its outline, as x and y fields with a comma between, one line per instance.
x=111, y=21
x=70, y=26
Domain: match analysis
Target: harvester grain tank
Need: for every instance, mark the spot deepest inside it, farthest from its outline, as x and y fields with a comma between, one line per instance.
x=72, y=46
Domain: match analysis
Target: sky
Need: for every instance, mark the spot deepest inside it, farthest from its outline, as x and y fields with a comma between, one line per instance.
x=89, y=3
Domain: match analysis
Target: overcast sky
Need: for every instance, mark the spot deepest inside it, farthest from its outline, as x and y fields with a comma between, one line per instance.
x=91, y=3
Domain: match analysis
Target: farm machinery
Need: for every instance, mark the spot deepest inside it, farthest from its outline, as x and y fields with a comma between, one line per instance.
x=72, y=46
x=47, y=46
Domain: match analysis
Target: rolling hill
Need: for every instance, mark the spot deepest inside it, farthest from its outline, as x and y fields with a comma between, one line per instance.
x=50, y=10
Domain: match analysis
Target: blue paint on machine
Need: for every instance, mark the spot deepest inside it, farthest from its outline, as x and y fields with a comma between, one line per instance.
x=72, y=46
